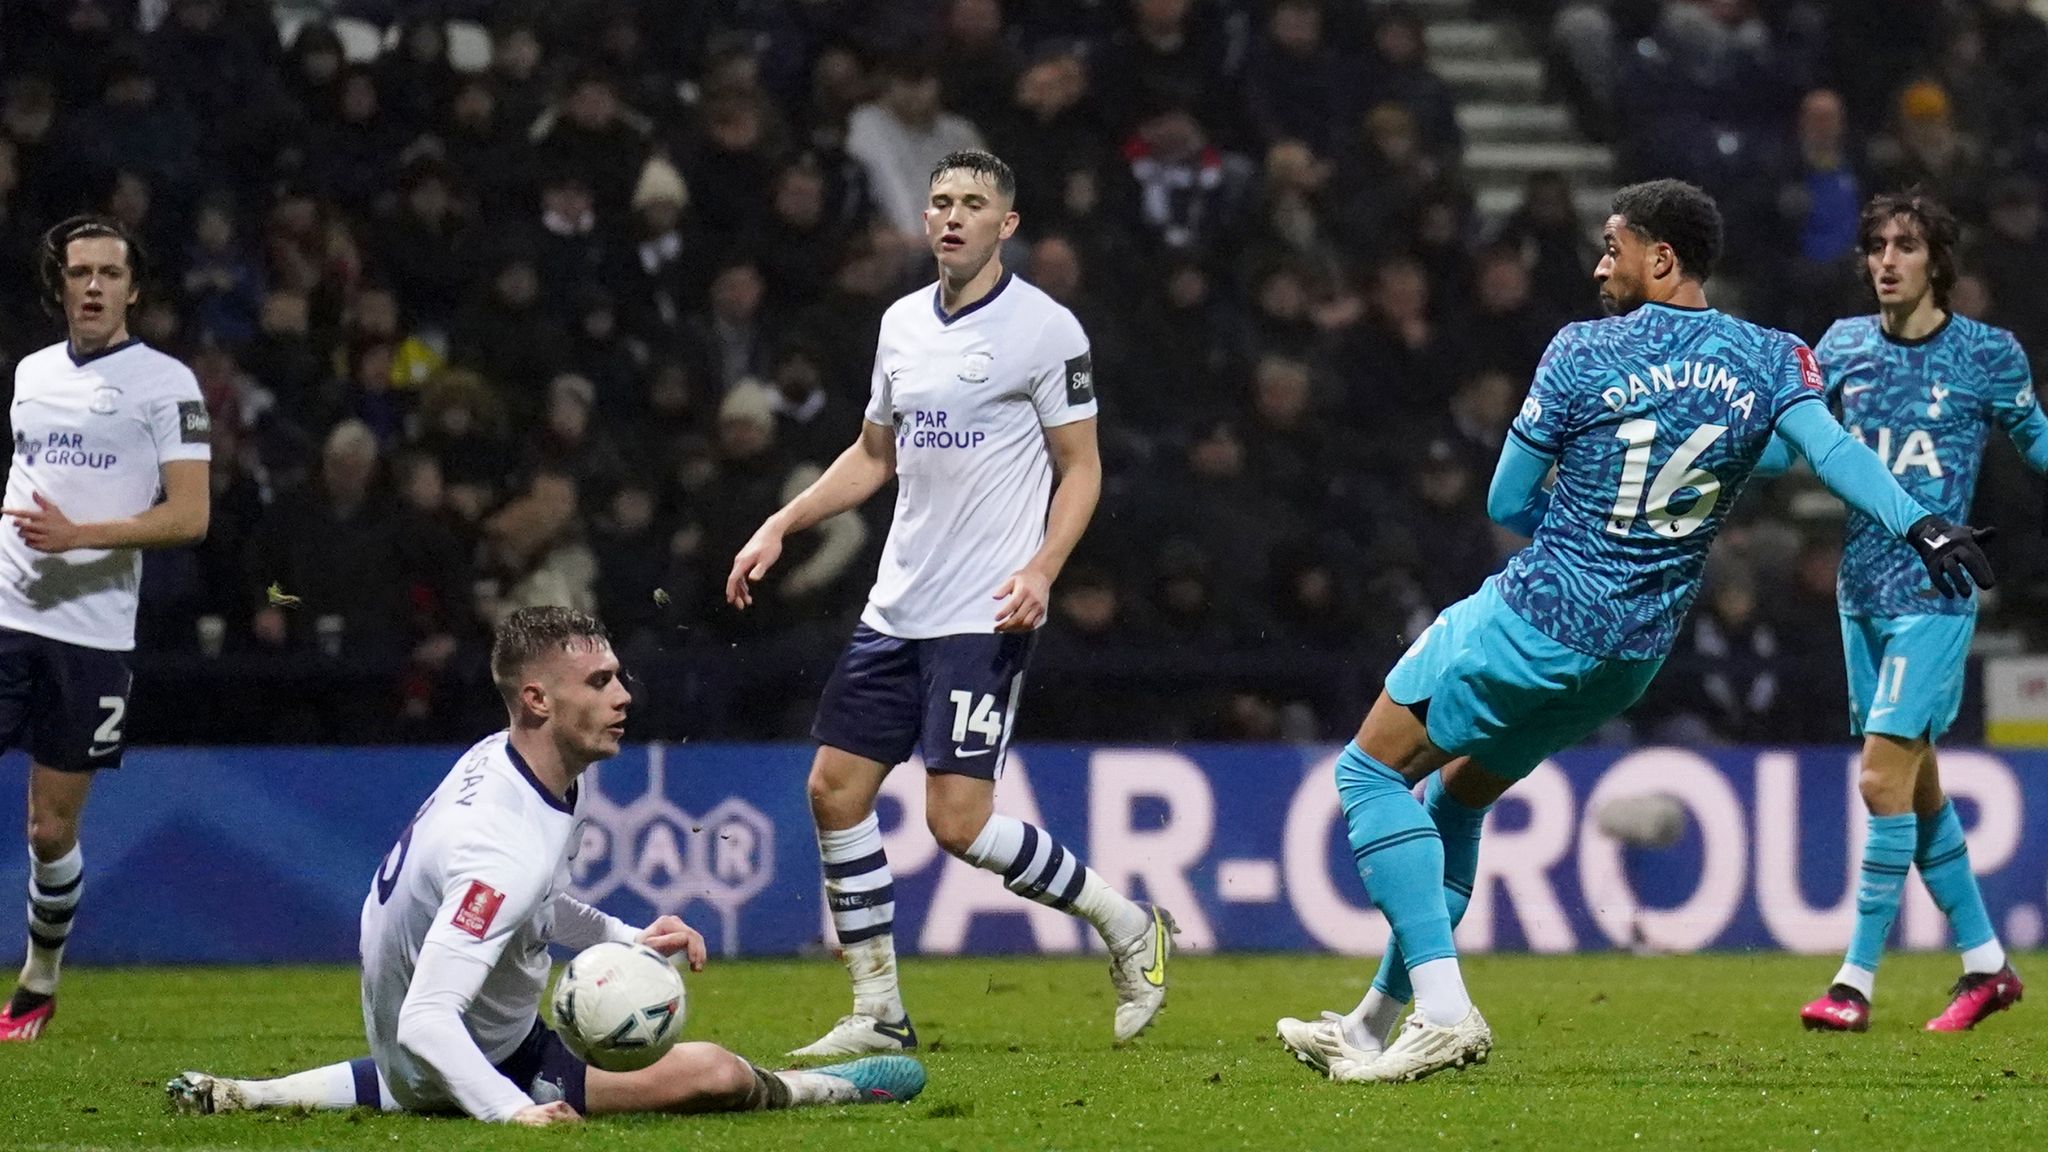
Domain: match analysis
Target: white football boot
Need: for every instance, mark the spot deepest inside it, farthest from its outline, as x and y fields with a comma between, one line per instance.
x=1320, y=1043
x=1138, y=973
x=199, y=1094
x=861, y=1034
x=1420, y=1050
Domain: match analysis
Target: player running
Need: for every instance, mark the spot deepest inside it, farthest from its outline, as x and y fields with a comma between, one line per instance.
x=982, y=391
x=1653, y=419
x=102, y=424
x=1924, y=386
x=460, y=914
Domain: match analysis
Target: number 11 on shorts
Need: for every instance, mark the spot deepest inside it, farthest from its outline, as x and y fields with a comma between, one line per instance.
x=971, y=715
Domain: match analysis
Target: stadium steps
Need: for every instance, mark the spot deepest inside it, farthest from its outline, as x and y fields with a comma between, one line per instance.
x=1512, y=128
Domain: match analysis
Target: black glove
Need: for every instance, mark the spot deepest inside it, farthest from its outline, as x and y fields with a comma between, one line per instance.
x=1950, y=551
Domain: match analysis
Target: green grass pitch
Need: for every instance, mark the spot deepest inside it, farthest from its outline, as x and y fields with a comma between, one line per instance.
x=1592, y=1052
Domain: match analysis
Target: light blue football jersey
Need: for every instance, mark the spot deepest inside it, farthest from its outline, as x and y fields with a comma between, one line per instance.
x=1656, y=419
x=1924, y=406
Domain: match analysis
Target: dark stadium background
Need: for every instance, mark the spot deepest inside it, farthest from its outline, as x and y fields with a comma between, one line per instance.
x=553, y=303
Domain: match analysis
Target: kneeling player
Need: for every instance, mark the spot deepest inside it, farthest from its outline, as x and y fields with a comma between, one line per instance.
x=458, y=921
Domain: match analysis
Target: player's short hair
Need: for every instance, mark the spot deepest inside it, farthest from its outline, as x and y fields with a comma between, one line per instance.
x=1675, y=213
x=57, y=244
x=986, y=165
x=1938, y=230
x=531, y=633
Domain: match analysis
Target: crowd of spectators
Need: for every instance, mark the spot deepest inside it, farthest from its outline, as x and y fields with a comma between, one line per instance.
x=559, y=321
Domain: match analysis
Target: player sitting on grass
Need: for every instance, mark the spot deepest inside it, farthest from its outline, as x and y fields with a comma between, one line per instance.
x=1925, y=386
x=459, y=917
x=1654, y=419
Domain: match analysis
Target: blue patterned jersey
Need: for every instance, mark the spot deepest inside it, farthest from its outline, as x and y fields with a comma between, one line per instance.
x=1656, y=419
x=1924, y=407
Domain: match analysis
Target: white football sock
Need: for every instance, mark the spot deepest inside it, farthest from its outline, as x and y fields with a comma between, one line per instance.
x=53, y=890
x=334, y=1086
x=1373, y=1021
x=1440, y=992
x=1985, y=958
x=1861, y=979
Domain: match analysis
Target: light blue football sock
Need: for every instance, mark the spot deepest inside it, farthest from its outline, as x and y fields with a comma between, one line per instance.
x=1399, y=854
x=1887, y=858
x=1944, y=860
x=1459, y=828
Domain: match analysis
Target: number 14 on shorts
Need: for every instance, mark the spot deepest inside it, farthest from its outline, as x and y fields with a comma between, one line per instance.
x=977, y=715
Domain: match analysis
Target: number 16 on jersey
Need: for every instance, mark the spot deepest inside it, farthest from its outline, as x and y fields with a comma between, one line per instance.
x=1676, y=476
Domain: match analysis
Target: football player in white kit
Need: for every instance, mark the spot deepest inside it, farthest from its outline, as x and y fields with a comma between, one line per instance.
x=460, y=914
x=983, y=391
x=103, y=424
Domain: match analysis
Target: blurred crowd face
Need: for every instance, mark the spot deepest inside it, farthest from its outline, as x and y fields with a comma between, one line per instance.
x=1282, y=393
x=912, y=99
x=1822, y=122
x=966, y=219
x=800, y=197
x=736, y=293
x=516, y=53
x=1052, y=86
x=974, y=23
x=1161, y=17
x=1297, y=27
x=1056, y=268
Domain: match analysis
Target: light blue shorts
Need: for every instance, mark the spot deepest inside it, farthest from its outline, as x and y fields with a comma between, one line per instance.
x=1905, y=673
x=1505, y=694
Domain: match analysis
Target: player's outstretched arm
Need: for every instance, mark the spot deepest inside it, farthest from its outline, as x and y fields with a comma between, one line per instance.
x=859, y=473
x=1776, y=460
x=1952, y=552
x=1517, y=499
x=180, y=519
x=1077, y=462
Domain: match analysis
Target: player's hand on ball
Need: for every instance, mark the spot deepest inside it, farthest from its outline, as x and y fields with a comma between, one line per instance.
x=668, y=935
x=1025, y=596
x=45, y=527
x=542, y=1115
x=752, y=563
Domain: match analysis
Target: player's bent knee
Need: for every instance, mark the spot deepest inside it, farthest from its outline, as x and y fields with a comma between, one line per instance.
x=955, y=831
x=51, y=836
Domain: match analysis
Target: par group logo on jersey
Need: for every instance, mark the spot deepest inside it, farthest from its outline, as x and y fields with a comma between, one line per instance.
x=26, y=448
x=652, y=847
x=65, y=449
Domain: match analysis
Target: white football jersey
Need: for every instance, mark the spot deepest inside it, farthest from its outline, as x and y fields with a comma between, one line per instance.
x=969, y=397
x=92, y=437
x=478, y=870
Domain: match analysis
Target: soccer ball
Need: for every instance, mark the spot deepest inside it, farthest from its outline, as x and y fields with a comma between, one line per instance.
x=619, y=1007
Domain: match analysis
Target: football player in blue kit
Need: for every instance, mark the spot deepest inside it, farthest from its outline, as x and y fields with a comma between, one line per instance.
x=1653, y=420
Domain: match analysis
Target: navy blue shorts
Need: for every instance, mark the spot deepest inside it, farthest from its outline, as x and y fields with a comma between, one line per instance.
x=954, y=697
x=546, y=1070
x=65, y=703
x=542, y=1066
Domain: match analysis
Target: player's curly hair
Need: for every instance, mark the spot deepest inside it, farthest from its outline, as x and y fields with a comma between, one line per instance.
x=987, y=165
x=530, y=633
x=57, y=242
x=1938, y=230
x=1675, y=213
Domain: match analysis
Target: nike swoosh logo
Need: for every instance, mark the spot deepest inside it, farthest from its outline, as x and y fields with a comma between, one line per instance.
x=901, y=1032
x=964, y=754
x=96, y=750
x=1877, y=712
x=1156, y=974
x=1858, y=390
